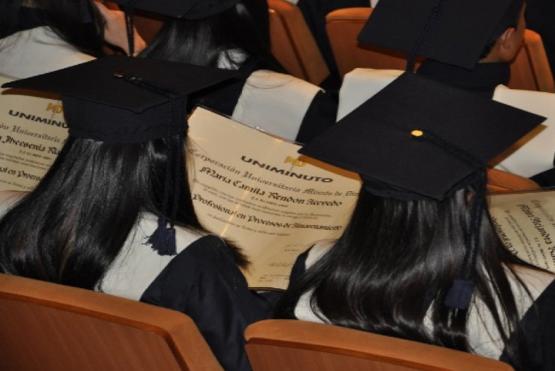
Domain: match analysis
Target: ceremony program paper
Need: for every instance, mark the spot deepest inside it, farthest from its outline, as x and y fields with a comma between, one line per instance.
x=251, y=188
x=526, y=224
x=32, y=131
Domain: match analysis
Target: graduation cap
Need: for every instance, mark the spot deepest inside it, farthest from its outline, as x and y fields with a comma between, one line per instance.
x=419, y=139
x=187, y=9
x=121, y=100
x=454, y=32
x=125, y=100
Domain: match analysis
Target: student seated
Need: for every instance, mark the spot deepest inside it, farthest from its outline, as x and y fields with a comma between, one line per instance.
x=469, y=45
x=234, y=35
x=114, y=212
x=39, y=36
x=420, y=258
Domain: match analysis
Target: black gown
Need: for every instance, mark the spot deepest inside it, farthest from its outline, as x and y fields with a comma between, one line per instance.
x=204, y=283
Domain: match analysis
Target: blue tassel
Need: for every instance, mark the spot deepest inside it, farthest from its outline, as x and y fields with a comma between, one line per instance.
x=460, y=294
x=163, y=239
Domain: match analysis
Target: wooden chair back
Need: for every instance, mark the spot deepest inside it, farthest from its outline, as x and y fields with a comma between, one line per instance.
x=500, y=181
x=529, y=71
x=283, y=345
x=343, y=27
x=293, y=44
x=50, y=327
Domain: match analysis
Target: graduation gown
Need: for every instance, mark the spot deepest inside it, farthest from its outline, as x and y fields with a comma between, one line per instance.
x=277, y=103
x=536, y=313
x=201, y=281
x=36, y=51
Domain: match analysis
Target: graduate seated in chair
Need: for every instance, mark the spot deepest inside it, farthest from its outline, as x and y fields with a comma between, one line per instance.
x=114, y=212
x=420, y=258
x=470, y=45
x=39, y=36
x=234, y=35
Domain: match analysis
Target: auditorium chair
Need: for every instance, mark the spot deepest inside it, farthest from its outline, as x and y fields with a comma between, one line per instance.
x=287, y=345
x=529, y=71
x=500, y=181
x=293, y=44
x=49, y=327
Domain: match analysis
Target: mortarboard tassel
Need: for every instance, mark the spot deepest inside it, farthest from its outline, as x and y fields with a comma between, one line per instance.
x=163, y=239
x=130, y=29
x=461, y=291
x=460, y=294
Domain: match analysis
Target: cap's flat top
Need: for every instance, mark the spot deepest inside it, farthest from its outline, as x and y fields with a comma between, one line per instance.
x=450, y=31
x=96, y=81
x=125, y=100
x=387, y=138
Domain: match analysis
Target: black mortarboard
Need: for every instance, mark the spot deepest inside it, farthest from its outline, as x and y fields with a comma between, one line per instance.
x=130, y=100
x=188, y=9
x=450, y=31
x=418, y=138
x=125, y=100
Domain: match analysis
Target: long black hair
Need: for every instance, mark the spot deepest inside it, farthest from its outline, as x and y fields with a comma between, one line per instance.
x=78, y=22
x=75, y=222
x=394, y=265
x=243, y=27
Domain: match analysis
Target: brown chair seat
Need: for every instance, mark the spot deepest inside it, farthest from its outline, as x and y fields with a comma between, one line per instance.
x=297, y=345
x=50, y=327
x=500, y=181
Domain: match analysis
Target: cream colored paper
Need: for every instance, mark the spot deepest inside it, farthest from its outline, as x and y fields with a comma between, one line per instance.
x=32, y=131
x=526, y=224
x=252, y=189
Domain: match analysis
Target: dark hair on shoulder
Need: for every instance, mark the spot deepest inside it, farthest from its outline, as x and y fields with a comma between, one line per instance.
x=238, y=32
x=394, y=265
x=78, y=22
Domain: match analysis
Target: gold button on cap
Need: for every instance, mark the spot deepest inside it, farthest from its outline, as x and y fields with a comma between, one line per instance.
x=417, y=133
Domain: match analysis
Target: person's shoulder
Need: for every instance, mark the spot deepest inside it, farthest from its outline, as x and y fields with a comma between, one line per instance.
x=267, y=79
x=528, y=285
x=9, y=199
x=317, y=251
x=539, y=102
x=536, y=280
x=36, y=51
